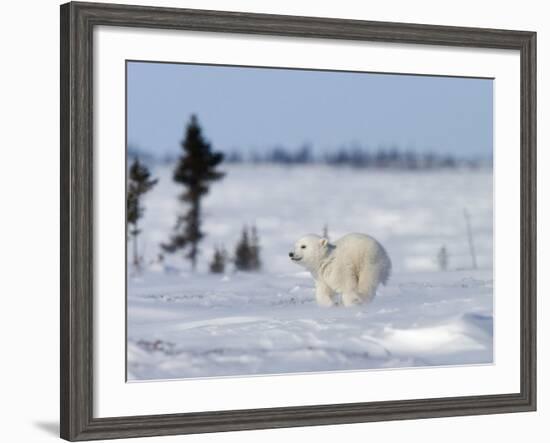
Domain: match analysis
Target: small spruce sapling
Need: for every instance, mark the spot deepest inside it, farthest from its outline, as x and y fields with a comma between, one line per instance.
x=219, y=260
x=256, y=262
x=243, y=252
x=443, y=258
x=139, y=183
x=325, y=231
x=247, y=251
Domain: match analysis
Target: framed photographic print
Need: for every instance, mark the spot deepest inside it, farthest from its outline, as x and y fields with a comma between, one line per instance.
x=272, y=221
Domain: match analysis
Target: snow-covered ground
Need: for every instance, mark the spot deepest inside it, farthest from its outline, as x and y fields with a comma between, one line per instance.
x=183, y=324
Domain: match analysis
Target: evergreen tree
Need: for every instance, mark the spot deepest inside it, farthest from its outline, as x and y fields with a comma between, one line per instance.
x=443, y=258
x=247, y=251
x=217, y=265
x=255, y=262
x=139, y=182
x=325, y=231
x=196, y=170
x=243, y=252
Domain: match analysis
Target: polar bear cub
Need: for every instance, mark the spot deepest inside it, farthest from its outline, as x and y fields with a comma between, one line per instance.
x=353, y=266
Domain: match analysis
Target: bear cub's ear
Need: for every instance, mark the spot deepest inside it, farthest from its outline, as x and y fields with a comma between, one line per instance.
x=323, y=242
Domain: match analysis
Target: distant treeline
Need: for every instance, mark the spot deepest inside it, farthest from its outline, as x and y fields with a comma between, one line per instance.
x=382, y=158
x=357, y=157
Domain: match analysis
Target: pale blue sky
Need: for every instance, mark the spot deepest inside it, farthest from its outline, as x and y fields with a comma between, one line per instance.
x=253, y=109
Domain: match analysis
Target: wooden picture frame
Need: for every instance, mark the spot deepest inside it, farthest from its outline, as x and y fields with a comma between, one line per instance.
x=77, y=253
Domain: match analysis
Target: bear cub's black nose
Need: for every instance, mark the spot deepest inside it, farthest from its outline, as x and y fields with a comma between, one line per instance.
x=291, y=254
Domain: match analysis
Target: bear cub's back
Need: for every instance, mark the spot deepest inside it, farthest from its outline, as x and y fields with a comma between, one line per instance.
x=362, y=248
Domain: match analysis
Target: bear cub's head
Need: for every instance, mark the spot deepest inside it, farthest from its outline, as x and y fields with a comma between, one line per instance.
x=310, y=251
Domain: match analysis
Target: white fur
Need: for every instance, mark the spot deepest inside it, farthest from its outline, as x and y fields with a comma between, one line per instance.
x=353, y=266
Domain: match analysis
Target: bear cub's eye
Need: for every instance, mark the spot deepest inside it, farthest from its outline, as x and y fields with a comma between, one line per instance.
x=303, y=246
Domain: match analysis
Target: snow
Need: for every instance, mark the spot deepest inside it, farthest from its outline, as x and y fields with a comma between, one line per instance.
x=183, y=324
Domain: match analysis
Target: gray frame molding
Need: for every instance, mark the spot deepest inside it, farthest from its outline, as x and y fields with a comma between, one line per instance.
x=77, y=24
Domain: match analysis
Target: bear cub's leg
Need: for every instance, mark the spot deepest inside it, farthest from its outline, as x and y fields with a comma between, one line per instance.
x=351, y=298
x=323, y=294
